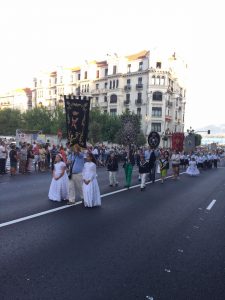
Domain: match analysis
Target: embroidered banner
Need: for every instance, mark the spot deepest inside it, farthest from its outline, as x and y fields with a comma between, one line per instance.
x=178, y=141
x=77, y=119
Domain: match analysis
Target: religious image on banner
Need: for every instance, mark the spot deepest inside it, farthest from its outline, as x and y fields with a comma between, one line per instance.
x=178, y=141
x=77, y=119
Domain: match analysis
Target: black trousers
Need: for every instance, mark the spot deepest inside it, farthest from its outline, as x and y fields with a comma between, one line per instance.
x=152, y=173
x=2, y=165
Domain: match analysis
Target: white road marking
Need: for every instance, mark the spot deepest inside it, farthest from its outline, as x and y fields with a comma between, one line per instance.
x=67, y=206
x=211, y=204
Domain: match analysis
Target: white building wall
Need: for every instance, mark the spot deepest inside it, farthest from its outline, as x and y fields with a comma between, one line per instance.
x=152, y=71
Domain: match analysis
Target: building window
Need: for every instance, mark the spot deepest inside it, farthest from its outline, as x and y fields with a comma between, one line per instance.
x=97, y=74
x=127, y=98
x=157, y=96
x=105, y=98
x=117, y=83
x=139, y=80
x=96, y=99
x=157, y=112
x=162, y=80
x=106, y=84
x=114, y=84
x=110, y=84
x=158, y=65
x=114, y=70
x=140, y=66
x=139, y=112
x=113, y=98
x=128, y=81
x=88, y=88
x=139, y=98
x=128, y=68
x=113, y=112
x=157, y=80
x=153, y=80
x=85, y=75
x=97, y=86
x=106, y=72
x=156, y=127
x=175, y=115
x=78, y=76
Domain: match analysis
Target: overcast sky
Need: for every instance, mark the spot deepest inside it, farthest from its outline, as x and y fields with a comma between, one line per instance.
x=40, y=34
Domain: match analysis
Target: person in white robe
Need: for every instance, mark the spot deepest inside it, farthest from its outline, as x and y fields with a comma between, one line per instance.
x=91, y=190
x=59, y=188
x=192, y=170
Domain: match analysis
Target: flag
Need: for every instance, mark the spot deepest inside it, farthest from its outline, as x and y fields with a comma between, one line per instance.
x=77, y=119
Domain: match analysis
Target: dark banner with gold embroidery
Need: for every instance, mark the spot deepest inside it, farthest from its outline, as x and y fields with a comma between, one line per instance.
x=77, y=119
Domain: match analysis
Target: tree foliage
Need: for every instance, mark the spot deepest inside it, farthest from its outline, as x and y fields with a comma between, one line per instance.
x=122, y=129
x=10, y=120
x=130, y=129
x=198, y=139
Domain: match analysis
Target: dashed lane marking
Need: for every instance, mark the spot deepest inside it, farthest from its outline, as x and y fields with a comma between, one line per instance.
x=211, y=205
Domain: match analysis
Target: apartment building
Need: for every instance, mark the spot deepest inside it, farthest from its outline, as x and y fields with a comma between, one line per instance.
x=17, y=99
x=151, y=86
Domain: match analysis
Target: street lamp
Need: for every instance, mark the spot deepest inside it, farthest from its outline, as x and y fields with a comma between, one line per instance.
x=190, y=131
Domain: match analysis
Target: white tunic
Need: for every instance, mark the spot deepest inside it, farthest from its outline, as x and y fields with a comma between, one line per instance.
x=59, y=189
x=91, y=191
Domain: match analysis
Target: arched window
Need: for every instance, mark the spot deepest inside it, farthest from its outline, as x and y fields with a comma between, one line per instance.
x=157, y=80
x=113, y=98
x=153, y=80
x=157, y=96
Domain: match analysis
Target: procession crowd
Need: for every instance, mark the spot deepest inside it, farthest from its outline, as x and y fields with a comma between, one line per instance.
x=74, y=175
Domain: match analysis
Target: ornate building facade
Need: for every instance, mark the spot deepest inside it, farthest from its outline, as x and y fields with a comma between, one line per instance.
x=152, y=87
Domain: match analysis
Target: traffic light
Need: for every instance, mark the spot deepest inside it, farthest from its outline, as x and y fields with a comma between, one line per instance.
x=208, y=131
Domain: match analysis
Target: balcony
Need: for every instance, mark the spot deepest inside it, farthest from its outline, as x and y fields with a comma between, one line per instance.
x=168, y=118
x=126, y=102
x=103, y=104
x=95, y=92
x=139, y=86
x=138, y=101
x=127, y=87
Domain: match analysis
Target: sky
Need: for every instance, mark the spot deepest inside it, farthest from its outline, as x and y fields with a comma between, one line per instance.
x=39, y=35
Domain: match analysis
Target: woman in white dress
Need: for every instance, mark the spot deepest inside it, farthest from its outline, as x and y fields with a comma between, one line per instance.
x=90, y=184
x=192, y=170
x=59, y=188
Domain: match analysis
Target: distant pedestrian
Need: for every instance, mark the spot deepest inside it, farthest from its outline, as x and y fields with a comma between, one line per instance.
x=59, y=188
x=128, y=167
x=13, y=160
x=175, y=158
x=192, y=170
x=112, y=167
x=164, y=165
x=76, y=162
x=143, y=170
x=91, y=190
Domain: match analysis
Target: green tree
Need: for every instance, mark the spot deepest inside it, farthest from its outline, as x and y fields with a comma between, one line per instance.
x=130, y=128
x=94, y=134
x=198, y=139
x=38, y=119
x=58, y=121
x=141, y=139
x=10, y=120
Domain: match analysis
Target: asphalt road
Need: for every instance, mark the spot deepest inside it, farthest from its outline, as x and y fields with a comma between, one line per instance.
x=167, y=242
